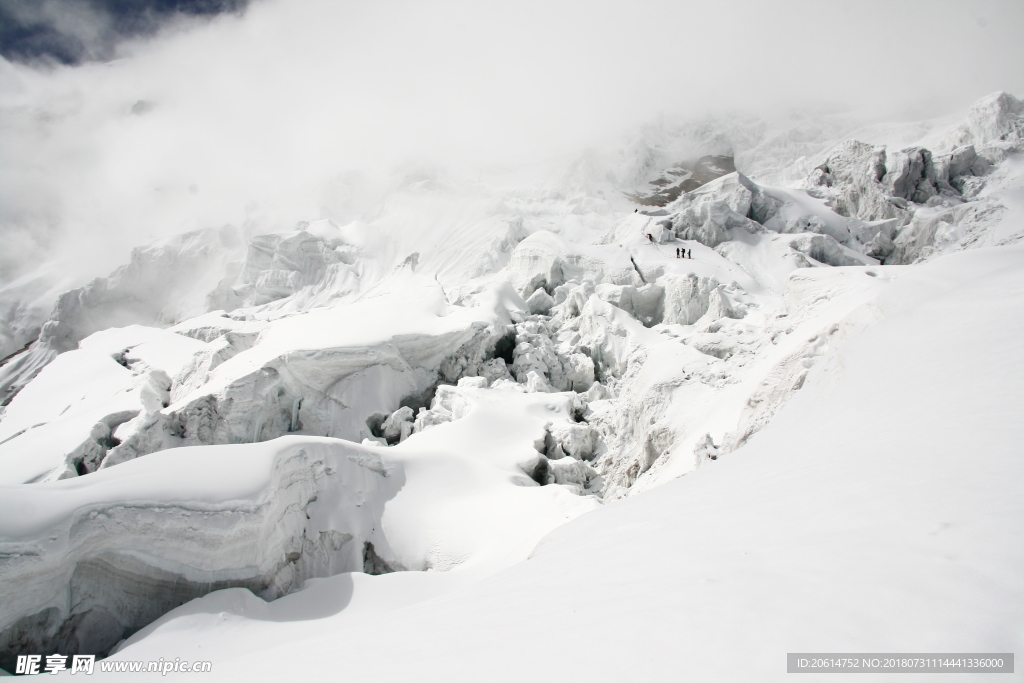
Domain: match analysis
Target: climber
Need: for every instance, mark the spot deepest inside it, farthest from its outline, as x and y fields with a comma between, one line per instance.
x=691, y=253
x=677, y=252
x=650, y=237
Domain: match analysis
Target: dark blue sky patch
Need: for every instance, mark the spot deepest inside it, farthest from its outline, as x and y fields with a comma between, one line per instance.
x=75, y=31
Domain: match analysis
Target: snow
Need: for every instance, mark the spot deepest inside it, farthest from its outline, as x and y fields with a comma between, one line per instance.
x=898, y=530
x=490, y=418
x=258, y=515
x=52, y=417
x=49, y=419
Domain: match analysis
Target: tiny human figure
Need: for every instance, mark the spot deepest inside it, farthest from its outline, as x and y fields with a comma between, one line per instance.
x=691, y=253
x=650, y=237
x=636, y=210
x=677, y=252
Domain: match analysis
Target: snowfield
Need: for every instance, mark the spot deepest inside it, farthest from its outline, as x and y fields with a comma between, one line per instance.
x=881, y=511
x=503, y=431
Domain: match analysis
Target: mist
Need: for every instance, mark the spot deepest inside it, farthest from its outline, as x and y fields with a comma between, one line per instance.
x=302, y=109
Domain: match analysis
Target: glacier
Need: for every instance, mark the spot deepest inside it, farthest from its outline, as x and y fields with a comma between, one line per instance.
x=491, y=417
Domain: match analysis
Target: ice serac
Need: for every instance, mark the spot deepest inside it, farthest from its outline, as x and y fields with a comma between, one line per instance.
x=851, y=180
x=645, y=303
x=708, y=213
x=136, y=390
x=291, y=271
x=991, y=120
x=319, y=373
x=545, y=260
x=162, y=284
x=107, y=554
x=267, y=516
x=64, y=422
x=922, y=201
x=187, y=275
x=330, y=390
x=687, y=298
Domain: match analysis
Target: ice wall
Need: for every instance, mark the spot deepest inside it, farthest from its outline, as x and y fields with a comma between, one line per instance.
x=88, y=561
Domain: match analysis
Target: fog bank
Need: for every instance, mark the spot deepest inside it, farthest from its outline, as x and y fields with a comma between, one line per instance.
x=301, y=109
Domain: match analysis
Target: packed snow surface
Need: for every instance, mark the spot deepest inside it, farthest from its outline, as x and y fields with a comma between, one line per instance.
x=880, y=512
x=457, y=431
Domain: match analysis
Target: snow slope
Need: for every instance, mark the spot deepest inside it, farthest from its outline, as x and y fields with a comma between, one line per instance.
x=119, y=548
x=882, y=511
x=425, y=394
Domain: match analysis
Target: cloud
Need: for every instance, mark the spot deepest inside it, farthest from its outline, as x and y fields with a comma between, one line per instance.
x=284, y=112
x=72, y=31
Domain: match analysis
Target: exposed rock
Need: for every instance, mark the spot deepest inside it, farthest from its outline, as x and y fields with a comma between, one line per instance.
x=683, y=177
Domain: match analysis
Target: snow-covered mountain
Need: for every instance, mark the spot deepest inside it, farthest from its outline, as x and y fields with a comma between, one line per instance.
x=345, y=442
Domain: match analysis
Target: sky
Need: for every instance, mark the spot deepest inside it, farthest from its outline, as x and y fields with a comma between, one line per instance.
x=74, y=31
x=281, y=110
